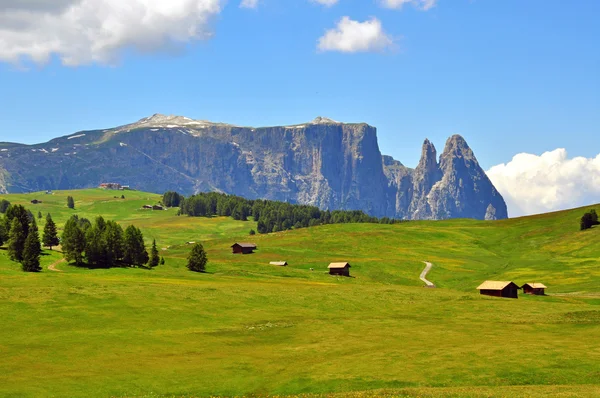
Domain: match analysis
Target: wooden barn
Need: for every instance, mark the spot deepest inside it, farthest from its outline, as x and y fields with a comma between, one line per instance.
x=35, y=202
x=342, y=269
x=157, y=207
x=499, y=289
x=280, y=263
x=243, y=248
x=538, y=289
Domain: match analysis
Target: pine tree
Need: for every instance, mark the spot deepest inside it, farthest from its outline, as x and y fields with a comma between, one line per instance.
x=73, y=241
x=39, y=214
x=113, y=239
x=135, y=251
x=3, y=234
x=95, y=247
x=162, y=261
x=32, y=250
x=154, y=258
x=70, y=202
x=16, y=240
x=197, y=259
x=50, y=234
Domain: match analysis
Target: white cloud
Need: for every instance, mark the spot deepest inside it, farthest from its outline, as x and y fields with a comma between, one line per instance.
x=421, y=4
x=327, y=3
x=249, y=4
x=352, y=36
x=533, y=184
x=88, y=31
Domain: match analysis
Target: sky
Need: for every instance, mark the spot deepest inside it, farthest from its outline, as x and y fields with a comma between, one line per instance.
x=520, y=80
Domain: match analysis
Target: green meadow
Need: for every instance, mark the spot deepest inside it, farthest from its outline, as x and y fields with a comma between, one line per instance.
x=246, y=328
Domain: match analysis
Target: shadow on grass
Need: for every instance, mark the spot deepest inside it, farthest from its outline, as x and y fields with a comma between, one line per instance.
x=100, y=266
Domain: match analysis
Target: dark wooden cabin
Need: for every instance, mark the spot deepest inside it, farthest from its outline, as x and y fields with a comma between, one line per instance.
x=342, y=269
x=157, y=207
x=35, y=202
x=243, y=248
x=538, y=289
x=499, y=289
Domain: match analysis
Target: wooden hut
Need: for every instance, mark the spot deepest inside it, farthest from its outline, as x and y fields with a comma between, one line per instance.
x=35, y=201
x=146, y=207
x=534, y=288
x=499, y=289
x=157, y=207
x=342, y=269
x=243, y=248
x=280, y=263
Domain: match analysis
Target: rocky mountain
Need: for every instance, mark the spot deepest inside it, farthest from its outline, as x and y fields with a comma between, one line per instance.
x=325, y=163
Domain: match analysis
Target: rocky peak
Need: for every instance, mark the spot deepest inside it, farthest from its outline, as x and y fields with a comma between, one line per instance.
x=324, y=120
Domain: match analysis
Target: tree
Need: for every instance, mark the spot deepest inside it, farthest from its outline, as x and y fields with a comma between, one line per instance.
x=252, y=232
x=16, y=240
x=197, y=259
x=162, y=261
x=594, y=217
x=586, y=221
x=73, y=241
x=122, y=196
x=32, y=250
x=113, y=240
x=3, y=232
x=135, y=251
x=70, y=202
x=39, y=214
x=95, y=245
x=154, y=258
x=4, y=205
x=50, y=237
x=22, y=215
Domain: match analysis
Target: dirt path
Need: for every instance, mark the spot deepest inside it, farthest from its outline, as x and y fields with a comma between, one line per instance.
x=428, y=266
x=52, y=267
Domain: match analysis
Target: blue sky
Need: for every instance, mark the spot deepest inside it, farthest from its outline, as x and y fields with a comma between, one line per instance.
x=511, y=76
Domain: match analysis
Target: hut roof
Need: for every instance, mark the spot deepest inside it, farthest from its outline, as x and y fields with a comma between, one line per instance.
x=243, y=244
x=338, y=265
x=278, y=263
x=494, y=285
x=535, y=285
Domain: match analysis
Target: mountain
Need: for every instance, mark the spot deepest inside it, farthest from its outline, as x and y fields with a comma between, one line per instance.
x=325, y=163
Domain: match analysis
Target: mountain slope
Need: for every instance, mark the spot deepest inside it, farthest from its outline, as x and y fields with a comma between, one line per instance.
x=325, y=163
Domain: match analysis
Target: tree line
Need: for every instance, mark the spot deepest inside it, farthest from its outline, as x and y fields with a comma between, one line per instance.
x=104, y=244
x=19, y=230
x=588, y=220
x=271, y=216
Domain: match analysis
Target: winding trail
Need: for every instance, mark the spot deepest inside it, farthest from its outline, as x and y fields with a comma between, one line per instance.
x=423, y=275
x=52, y=267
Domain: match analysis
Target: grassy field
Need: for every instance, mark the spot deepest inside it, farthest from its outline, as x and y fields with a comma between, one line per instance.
x=248, y=328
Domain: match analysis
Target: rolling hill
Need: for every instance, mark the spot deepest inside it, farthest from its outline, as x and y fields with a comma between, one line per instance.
x=247, y=327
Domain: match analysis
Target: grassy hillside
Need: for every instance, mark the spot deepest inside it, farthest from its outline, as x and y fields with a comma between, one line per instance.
x=250, y=328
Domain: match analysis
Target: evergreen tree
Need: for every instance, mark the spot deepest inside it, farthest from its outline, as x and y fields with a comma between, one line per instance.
x=197, y=259
x=162, y=261
x=3, y=234
x=135, y=251
x=594, y=217
x=95, y=246
x=4, y=205
x=50, y=234
x=32, y=250
x=16, y=240
x=113, y=239
x=21, y=214
x=252, y=232
x=154, y=258
x=70, y=202
x=73, y=241
x=39, y=214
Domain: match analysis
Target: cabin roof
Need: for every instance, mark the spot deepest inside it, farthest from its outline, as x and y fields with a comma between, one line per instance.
x=338, y=265
x=535, y=285
x=245, y=244
x=278, y=263
x=494, y=285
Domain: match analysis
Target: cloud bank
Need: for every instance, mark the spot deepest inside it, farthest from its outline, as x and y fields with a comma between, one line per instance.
x=352, y=36
x=533, y=184
x=421, y=4
x=327, y=3
x=87, y=31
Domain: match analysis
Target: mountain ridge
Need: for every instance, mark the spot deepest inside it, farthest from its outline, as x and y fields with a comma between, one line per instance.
x=325, y=163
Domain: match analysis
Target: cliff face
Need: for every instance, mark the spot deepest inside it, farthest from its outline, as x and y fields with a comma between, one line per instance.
x=324, y=163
